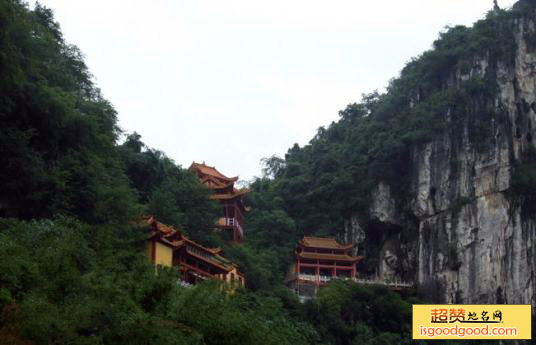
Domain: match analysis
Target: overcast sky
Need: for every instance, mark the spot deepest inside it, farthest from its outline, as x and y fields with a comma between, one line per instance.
x=229, y=82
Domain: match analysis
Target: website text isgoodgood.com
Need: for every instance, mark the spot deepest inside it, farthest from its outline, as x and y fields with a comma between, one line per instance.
x=461, y=332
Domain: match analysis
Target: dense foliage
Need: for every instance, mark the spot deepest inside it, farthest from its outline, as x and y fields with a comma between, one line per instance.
x=174, y=195
x=92, y=285
x=71, y=269
x=58, y=140
x=332, y=177
x=57, y=144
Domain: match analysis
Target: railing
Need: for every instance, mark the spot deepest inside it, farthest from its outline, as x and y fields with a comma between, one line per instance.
x=319, y=278
x=234, y=223
x=240, y=230
x=198, y=252
x=309, y=277
x=229, y=221
x=184, y=283
x=388, y=282
x=371, y=281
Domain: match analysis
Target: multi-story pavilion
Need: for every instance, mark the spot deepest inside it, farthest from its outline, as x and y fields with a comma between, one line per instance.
x=233, y=209
x=168, y=247
x=320, y=260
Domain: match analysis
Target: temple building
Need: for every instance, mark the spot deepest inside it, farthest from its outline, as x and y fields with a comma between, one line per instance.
x=168, y=247
x=318, y=261
x=232, y=215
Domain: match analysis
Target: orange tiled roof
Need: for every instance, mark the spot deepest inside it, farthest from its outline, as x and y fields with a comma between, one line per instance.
x=338, y=257
x=211, y=171
x=226, y=196
x=214, y=183
x=172, y=243
x=214, y=251
x=215, y=261
x=161, y=229
x=324, y=242
x=175, y=239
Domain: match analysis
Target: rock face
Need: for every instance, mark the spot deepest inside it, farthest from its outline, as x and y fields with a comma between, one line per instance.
x=470, y=237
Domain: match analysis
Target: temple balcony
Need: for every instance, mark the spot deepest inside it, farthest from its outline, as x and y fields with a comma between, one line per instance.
x=393, y=283
x=232, y=223
x=317, y=278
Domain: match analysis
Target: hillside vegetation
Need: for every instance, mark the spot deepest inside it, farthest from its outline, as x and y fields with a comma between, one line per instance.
x=331, y=178
x=72, y=269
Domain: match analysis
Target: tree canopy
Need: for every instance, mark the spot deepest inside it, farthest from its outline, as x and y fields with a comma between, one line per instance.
x=72, y=269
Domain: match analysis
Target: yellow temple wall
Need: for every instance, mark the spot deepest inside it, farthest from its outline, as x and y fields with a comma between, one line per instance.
x=163, y=254
x=239, y=280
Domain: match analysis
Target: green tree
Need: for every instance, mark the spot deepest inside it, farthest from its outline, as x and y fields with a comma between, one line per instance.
x=57, y=143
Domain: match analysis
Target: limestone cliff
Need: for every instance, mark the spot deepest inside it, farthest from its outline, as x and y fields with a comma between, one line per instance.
x=468, y=234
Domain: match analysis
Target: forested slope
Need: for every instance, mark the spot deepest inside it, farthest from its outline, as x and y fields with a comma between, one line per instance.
x=330, y=179
x=72, y=269
x=434, y=179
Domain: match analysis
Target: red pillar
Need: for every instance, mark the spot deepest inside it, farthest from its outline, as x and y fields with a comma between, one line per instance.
x=235, y=212
x=335, y=268
x=317, y=272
